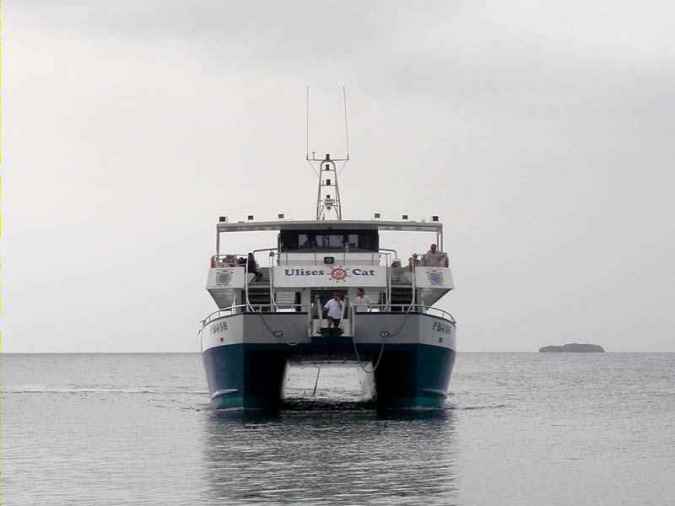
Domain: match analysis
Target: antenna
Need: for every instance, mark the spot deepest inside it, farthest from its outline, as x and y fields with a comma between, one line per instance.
x=328, y=193
x=307, y=125
x=344, y=99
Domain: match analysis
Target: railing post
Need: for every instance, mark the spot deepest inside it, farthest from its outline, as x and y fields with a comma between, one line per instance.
x=319, y=313
x=248, y=303
x=342, y=316
x=273, y=305
x=310, y=321
x=414, y=284
x=388, y=290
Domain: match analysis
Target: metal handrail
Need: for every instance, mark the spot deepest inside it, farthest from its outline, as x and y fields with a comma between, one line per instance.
x=222, y=257
x=406, y=309
x=420, y=257
x=420, y=308
x=270, y=275
x=237, y=309
x=414, y=285
x=387, y=252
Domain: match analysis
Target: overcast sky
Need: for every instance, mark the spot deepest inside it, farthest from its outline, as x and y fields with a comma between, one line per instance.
x=540, y=132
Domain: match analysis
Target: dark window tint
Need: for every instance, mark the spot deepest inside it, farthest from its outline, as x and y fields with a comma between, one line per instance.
x=335, y=240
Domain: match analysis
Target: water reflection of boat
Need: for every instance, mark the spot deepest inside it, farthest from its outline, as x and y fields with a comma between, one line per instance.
x=271, y=315
x=340, y=456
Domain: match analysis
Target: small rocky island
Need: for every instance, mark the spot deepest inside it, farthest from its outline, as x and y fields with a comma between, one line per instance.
x=574, y=348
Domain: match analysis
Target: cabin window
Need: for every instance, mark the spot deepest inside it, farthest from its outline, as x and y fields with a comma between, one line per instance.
x=304, y=241
x=335, y=240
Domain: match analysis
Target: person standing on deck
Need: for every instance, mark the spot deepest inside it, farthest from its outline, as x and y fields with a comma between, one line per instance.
x=361, y=302
x=434, y=258
x=334, y=308
x=253, y=267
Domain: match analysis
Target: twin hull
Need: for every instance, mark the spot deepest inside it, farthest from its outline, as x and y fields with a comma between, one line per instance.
x=245, y=356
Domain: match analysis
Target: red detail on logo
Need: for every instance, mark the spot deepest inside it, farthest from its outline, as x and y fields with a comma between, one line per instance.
x=338, y=273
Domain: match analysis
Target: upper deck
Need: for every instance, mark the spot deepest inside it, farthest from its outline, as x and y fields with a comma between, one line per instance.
x=330, y=236
x=313, y=256
x=405, y=225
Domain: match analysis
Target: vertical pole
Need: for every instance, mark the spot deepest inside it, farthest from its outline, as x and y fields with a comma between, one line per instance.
x=344, y=100
x=307, y=124
x=248, y=304
x=316, y=383
x=273, y=305
x=414, y=287
x=338, y=202
x=388, y=292
x=310, y=316
x=318, y=197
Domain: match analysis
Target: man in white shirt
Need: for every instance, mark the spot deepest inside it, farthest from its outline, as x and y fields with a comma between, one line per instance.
x=334, y=308
x=361, y=302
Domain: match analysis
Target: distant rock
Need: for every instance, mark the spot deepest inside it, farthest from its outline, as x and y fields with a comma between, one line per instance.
x=574, y=348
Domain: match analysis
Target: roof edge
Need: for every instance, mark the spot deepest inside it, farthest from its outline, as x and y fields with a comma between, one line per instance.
x=251, y=226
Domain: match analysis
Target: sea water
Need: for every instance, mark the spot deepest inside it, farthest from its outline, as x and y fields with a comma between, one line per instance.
x=521, y=429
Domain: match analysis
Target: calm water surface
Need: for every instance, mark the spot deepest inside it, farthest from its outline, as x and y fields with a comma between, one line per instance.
x=525, y=429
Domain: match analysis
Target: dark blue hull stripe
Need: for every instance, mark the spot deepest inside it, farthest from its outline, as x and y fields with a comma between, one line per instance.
x=251, y=376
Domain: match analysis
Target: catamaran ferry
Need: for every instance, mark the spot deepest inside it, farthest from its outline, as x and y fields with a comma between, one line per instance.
x=331, y=292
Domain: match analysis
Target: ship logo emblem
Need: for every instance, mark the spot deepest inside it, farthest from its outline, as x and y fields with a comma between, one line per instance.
x=435, y=277
x=338, y=273
x=223, y=278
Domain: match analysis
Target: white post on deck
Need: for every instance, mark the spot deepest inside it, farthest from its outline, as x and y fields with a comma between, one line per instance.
x=414, y=286
x=248, y=304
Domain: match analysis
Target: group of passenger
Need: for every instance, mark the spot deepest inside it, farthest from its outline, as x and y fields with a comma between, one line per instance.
x=432, y=258
x=335, y=306
x=234, y=261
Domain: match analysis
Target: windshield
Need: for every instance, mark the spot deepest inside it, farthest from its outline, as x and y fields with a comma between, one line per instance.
x=319, y=240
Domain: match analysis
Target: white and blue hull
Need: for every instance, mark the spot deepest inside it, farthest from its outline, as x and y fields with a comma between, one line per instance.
x=246, y=354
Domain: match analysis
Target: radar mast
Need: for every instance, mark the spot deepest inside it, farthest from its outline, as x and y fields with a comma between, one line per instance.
x=328, y=205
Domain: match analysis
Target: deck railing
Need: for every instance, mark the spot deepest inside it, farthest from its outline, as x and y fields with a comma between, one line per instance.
x=384, y=254
x=409, y=308
x=302, y=308
x=404, y=309
x=254, y=308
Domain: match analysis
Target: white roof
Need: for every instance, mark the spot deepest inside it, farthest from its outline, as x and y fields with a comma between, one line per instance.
x=250, y=226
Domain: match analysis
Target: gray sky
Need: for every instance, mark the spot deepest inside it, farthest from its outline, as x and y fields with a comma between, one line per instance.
x=540, y=132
